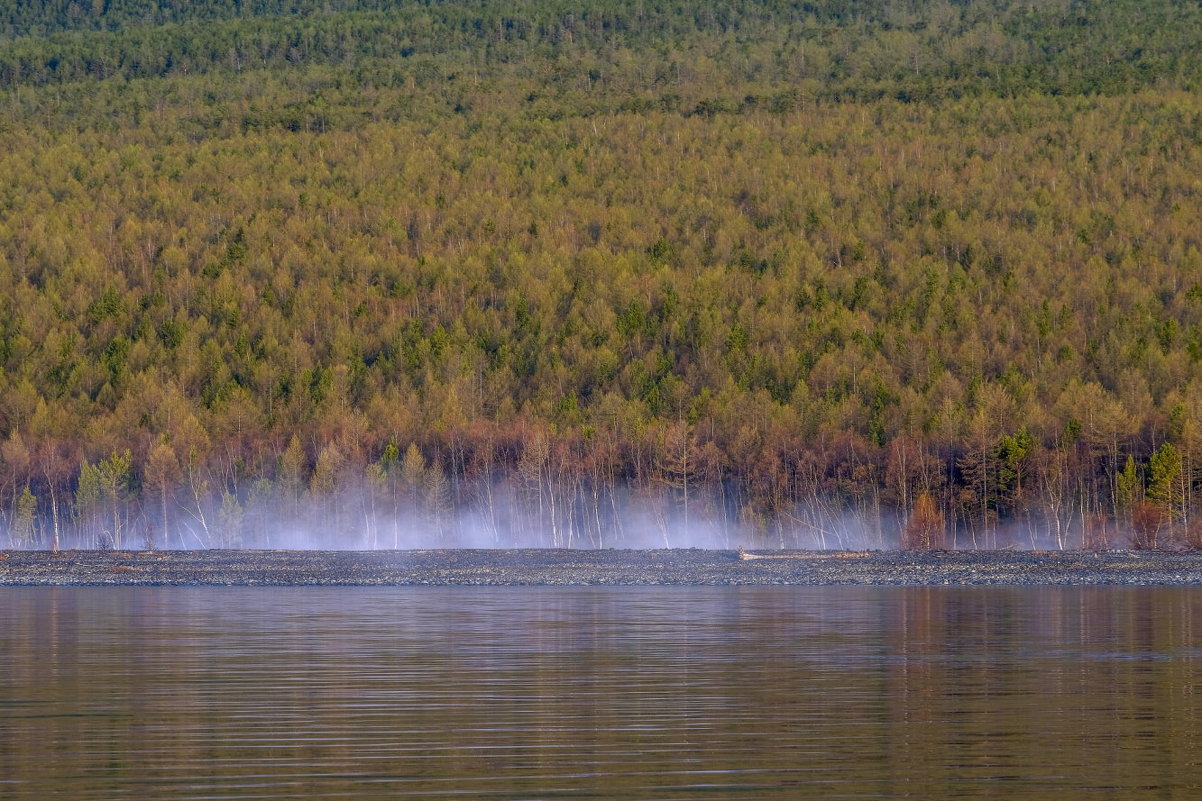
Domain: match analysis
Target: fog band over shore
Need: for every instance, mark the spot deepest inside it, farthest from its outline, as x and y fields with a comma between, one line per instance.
x=502, y=515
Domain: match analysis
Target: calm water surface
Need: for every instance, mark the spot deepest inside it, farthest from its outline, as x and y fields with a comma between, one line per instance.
x=613, y=693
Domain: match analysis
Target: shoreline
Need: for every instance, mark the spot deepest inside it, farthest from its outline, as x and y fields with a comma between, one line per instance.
x=546, y=567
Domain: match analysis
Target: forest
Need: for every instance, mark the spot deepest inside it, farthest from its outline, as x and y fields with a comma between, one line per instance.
x=610, y=273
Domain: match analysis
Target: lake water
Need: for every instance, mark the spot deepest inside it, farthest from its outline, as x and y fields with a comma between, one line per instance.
x=607, y=693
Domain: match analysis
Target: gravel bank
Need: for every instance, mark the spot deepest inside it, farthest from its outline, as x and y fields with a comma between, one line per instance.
x=570, y=567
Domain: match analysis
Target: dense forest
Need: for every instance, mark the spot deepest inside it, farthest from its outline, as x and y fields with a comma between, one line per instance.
x=612, y=273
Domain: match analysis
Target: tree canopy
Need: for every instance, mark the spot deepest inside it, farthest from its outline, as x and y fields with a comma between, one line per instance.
x=619, y=273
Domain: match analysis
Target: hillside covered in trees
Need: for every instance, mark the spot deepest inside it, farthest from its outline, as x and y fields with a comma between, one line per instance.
x=605, y=273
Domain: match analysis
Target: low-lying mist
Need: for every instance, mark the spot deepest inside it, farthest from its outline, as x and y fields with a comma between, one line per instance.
x=496, y=515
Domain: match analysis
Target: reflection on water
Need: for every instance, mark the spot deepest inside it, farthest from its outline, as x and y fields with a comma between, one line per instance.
x=524, y=693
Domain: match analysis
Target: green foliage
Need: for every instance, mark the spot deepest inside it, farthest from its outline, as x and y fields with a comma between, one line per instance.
x=1164, y=471
x=231, y=518
x=1129, y=488
x=24, y=518
x=88, y=489
x=1014, y=454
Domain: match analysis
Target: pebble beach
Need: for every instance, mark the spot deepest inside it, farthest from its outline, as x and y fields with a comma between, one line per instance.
x=543, y=567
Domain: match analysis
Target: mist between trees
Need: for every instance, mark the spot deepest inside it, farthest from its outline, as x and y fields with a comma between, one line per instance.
x=557, y=496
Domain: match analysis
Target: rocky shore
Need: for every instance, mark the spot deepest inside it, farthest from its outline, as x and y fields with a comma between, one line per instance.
x=607, y=567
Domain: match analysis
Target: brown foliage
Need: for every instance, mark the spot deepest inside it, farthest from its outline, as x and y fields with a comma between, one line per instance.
x=1192, y=536
x=925, y=529
x=1147, y=520
x=1096, y=536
